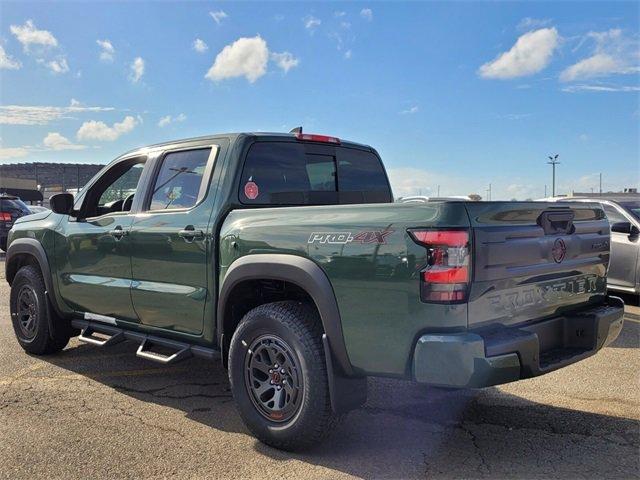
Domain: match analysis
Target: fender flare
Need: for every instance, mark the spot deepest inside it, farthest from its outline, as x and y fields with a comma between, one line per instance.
x=300, y=271
x=34, y=248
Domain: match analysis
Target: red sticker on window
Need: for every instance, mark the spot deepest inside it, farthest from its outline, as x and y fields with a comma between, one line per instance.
x=251, y=190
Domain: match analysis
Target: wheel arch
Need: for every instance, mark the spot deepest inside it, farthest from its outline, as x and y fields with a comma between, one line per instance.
x=28, y=251
x=299, y=271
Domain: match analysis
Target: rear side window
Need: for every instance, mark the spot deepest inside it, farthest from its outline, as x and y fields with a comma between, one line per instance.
x=180, y=179
x=279, y=173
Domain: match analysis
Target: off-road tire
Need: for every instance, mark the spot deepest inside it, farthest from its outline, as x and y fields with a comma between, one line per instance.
x=3, y=244
x=42, y=340
x=298, y=326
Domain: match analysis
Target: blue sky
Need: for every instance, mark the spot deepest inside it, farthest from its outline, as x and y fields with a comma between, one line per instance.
x=452, y=94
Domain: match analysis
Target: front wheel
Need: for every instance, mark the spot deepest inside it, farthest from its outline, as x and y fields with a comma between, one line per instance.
x=278, y=375
x=30, y=315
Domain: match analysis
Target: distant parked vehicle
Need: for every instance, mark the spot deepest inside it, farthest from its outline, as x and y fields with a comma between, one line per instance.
x=11, y=208
x=624, y=218
x=38, y=209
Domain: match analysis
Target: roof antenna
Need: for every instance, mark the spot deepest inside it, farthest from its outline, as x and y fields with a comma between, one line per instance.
x=296, y=130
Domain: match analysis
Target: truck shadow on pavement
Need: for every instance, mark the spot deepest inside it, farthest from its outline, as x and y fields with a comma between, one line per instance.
x=405, y=430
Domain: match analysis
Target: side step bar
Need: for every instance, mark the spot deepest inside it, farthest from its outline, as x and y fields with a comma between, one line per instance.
x=145, y=351
x=115, y=335
x=148, y=343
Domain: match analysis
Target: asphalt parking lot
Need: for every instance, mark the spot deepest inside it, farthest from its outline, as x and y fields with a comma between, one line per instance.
x=91, y=413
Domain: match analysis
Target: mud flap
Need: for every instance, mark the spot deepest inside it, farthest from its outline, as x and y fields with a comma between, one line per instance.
x=347, y=393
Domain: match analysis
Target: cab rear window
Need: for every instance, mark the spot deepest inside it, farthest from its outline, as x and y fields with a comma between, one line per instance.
x=13, y=205
x=286, y=173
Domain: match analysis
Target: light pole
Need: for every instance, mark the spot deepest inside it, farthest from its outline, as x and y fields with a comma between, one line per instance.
x=553, y=161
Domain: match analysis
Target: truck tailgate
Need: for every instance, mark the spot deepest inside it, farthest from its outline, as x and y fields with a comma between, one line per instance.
x=534, y=260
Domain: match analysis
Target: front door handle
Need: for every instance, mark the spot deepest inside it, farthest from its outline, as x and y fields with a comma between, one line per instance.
x=118, y=232
x=189, y=234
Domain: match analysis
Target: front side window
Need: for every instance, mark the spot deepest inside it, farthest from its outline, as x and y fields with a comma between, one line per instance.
x=633, y=208
x=179, y=180
x=613, y=215
x=115, y=190
x=124, y=187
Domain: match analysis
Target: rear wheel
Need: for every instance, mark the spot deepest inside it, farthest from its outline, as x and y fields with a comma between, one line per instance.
x=278, y=375
x=30, y=315
x=3, y=244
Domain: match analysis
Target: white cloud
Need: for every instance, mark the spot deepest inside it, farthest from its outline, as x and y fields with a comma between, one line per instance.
x=42, y=115
x=410, y=110
x=55, y=141
x=600, y=88
x=522, y=191
x=107, y=51
x=311, y=23
x=137, y=70
x=339, y=13
x=528, y=23
x=93, y=130
x=367, y=14
x=348, y=54
x=7, y=62
x=29, y=35
x=218, y=16
x=246, y=57
x=515, y=116
x=58, y=65
x=168, y=119
x=531, y=53
x=285, y=60
x=13, y=152
x=613, y=54
x=417, y=181
x=200, y=46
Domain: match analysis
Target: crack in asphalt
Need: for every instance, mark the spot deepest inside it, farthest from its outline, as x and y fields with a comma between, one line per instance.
x=474, y=441
x=631, y=439
x=155, y=392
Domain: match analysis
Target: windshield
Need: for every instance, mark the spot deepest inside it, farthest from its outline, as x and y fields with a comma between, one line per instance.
x=633, y=208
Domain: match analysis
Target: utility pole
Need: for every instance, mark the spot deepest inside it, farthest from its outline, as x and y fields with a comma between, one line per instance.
x=489, y=193
x=438, y=190
x=553, y=161
x=600, y=183
x=545, y=190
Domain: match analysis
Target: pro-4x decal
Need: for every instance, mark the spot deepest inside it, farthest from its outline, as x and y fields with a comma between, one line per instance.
x=342, y=238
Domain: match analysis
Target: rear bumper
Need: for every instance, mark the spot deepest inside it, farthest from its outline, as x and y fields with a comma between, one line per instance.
x=492, y=357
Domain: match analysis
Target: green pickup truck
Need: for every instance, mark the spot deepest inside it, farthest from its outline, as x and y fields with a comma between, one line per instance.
x=284, y=256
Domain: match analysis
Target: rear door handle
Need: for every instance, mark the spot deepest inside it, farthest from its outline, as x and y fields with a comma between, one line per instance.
x=118, y=233
x=189, y=234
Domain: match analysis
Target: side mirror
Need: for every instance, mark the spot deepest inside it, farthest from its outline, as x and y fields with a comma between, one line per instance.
x=624, y=227
x=61, y=203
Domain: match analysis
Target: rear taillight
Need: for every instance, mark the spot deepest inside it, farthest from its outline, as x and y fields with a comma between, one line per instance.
x=5, y=217
x=446, y=276
x=312, y=137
